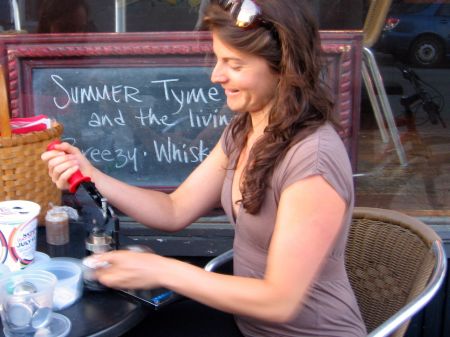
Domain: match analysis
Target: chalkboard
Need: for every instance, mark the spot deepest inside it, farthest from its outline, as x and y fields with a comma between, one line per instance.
x=118, y=96
x=149, y=126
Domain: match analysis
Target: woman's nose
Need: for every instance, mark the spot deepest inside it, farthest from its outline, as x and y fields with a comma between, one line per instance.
x=218, y=75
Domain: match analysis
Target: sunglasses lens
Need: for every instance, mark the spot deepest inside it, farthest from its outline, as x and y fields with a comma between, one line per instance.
x=248, y=13
x=226, y=4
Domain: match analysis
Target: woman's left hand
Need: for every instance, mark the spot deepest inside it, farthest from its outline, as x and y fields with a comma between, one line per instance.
x=130, y=270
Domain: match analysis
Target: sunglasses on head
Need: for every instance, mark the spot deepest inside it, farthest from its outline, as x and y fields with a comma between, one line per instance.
x=246, y=12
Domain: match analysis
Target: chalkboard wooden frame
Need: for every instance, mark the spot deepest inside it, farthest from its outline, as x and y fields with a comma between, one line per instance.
x=77, y=50
x=25, y=53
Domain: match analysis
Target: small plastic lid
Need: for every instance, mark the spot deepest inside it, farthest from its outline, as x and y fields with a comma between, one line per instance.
x=61, y=213
x=18, y=210
x=56, y=215
x=58, y=326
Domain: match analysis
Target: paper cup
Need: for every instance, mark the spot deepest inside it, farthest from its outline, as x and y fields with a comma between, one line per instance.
x=18, y=229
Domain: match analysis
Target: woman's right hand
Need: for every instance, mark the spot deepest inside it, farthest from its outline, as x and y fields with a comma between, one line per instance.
x=63, y=161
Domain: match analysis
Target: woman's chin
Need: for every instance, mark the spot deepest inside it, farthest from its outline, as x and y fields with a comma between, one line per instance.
x=236, y=108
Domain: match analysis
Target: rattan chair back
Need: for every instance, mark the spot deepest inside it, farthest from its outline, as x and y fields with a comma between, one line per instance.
x=375, y=20
x=389, y=261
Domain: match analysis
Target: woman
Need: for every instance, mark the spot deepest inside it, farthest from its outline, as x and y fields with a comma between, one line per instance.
x=282, y=175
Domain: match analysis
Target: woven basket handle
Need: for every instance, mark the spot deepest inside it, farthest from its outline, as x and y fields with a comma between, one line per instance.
x=5, y=128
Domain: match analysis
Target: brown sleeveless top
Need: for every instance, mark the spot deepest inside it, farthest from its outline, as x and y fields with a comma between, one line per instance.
x=330, y=308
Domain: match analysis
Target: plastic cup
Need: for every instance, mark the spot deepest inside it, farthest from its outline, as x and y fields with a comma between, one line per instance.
x=69, y=287
x=26, y=299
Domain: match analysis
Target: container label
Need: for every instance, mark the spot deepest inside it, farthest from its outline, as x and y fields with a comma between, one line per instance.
x=22, y=243
x=18, y=233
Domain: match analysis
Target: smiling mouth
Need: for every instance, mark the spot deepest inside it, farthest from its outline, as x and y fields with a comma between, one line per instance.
x=231, y=91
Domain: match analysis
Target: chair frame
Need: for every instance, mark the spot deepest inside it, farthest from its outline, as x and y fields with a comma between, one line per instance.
x=402, y=316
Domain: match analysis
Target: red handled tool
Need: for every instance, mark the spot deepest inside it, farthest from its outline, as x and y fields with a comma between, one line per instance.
x=99, y=219
x=78, y=179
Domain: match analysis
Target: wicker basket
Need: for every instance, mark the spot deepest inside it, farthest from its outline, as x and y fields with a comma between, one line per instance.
x=24, y=176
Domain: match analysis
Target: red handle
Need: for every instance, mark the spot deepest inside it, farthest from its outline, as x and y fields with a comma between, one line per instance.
x=75, y=179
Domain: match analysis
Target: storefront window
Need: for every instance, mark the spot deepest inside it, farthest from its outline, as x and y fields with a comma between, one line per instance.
x=46, y=16
x=411, y=54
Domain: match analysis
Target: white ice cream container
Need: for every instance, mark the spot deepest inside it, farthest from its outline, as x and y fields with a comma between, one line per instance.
x=18, y=229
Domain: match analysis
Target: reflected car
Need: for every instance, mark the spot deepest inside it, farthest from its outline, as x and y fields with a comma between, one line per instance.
x=417, y=32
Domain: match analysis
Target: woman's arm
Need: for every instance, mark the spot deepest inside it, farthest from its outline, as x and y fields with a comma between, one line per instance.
x=199, y=193
x=308, y=220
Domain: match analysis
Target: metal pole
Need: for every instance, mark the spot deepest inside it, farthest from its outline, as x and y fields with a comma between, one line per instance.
x=121, y=16
x=16, y=15
x=370, y=87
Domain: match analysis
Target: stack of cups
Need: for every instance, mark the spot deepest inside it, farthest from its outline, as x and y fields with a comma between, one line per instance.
x=26, y=299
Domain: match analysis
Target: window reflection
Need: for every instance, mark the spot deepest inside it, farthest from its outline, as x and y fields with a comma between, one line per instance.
x=417, y=32
x=64, y=16
x=70, y=16
x=412, y=53
x=6, y=22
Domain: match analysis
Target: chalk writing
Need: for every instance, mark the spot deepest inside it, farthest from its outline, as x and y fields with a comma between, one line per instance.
x=147, y=126
x=211, y=119
x=98, y=120
x=148, y=118
x=187, y=97
x=90, y=93
x=171, y=152
x=120, y=157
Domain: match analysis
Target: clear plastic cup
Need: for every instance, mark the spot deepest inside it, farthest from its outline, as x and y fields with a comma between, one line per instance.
x=26, y=299
x=69, y=287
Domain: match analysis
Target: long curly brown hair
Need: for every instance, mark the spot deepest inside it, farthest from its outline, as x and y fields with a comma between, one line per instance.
x=289, y=41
